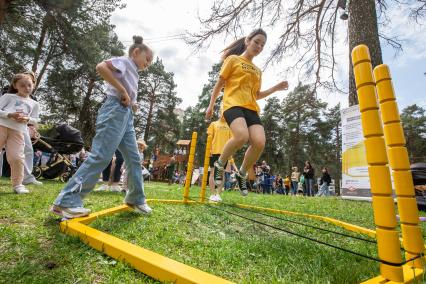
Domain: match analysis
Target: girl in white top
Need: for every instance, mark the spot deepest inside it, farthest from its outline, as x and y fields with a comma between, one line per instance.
x=17, y=109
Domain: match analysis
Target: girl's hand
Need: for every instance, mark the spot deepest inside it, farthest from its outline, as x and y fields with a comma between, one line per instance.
x=23, y=119
x=125, y=99
x=209, y=113
x=14, y=115
x=282, y=86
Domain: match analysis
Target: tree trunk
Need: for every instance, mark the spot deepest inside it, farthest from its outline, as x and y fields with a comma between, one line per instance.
x=41, y=40
x=85, y=118
x=148, y=120
x=4, y=4
x=362, y=30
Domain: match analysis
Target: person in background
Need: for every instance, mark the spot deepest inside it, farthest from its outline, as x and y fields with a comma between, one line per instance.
x=309, y=174
x=287, y=185
x=295, y=175
x=324, y=183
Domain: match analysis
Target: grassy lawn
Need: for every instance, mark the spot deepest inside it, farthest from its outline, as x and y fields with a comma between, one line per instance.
x=32, y=250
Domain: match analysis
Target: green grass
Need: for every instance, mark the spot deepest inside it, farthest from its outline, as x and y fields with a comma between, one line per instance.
x=32, y=250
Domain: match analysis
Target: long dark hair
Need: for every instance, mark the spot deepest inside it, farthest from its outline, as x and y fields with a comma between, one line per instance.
x=239, y=46
x=138, y=43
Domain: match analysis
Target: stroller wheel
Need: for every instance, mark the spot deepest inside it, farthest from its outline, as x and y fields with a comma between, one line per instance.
x=37, y=172
x=64, y=177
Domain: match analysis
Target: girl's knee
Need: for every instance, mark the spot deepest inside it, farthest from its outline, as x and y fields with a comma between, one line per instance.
x=241, y=139
x=258, y=143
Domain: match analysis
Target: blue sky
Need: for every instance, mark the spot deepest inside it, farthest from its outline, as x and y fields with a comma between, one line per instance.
x=156, y=20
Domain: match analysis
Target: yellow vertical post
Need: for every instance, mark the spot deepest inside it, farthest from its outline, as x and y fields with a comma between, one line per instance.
x=412, y=238
x=206, y=168
x=388, y=244
x=190, y=167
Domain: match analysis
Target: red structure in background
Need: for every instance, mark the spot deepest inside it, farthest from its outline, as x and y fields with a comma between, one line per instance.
x=161, y=162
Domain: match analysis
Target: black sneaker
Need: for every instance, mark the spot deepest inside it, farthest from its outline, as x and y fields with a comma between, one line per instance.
x=242, y=184
x=218, y=174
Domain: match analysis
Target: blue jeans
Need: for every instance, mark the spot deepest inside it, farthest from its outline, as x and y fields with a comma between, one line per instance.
x=294, y=185
x=309, y=185
x=323, y=190
x=114, y=129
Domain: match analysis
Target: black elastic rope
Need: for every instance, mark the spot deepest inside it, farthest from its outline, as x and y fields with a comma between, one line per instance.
x=311, y=239
x=299, y=223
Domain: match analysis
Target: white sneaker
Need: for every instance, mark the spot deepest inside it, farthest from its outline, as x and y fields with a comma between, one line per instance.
x=141, y=208
x=20, y=189
x=34, y=182
x=213, y=198
x=103, y=187
x=218, y=198
x=69, y=213
x=115, y=188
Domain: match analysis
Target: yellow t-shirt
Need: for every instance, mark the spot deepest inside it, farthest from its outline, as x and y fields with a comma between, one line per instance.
x=220, y=133
x=242, y=83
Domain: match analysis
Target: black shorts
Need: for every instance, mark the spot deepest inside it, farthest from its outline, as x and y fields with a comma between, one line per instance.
x=249, y=115
x=214, y=158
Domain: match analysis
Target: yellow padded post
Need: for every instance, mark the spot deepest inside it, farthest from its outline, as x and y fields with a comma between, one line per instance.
x=371, y=124
x=367, y=102
x=388, y=244
x=394, y=135
x=190, y=167
x=206, y=168
x=383, y=207
x=378, y=185
x=412, y=237
x=376, y=150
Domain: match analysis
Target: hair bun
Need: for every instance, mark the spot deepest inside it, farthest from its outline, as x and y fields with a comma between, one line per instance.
x=137, y=39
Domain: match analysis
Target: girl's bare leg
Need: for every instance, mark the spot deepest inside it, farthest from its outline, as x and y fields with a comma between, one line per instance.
x=257, y=144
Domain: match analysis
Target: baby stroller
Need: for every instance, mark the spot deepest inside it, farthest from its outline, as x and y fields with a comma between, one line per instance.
x=63, y=140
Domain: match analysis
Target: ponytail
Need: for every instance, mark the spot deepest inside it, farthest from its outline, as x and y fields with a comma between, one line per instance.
x=137, y=44
x=239, y=46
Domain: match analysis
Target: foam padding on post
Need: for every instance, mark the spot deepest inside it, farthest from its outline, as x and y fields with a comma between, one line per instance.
x=371, y=124
x=383, y=207
x=403, y=182
x=363, y=73
x=405, y=204
x=367, y=98
x=378, y=184
x=398, y=158
x=389, y=112
x=394, y=135
x=413, y=233
x=376, y=151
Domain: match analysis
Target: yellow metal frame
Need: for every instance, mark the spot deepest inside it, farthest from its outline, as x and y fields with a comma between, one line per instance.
x=158, y=266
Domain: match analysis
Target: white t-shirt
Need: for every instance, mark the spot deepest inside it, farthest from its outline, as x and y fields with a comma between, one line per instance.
x=10, y=103
x=127, y=74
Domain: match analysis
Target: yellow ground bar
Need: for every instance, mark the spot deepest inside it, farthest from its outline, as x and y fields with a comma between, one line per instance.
x=146, y=261
x=165, y=269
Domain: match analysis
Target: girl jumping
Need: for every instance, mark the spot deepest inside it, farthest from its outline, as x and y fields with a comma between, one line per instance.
x=114, y=129
x=242, y=81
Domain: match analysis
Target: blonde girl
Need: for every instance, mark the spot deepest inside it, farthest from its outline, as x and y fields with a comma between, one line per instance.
x=17, y=109
x=114, y=129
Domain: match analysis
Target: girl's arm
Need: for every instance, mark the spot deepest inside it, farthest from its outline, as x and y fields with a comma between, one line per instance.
x=278, y=87
x=105, y=70
x=216, y=90
x=34, y=116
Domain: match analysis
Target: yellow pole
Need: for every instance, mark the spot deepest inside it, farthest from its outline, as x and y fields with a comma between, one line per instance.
x=206, y=168
x=412, y=238
x=388, y=244
x=190, y=167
